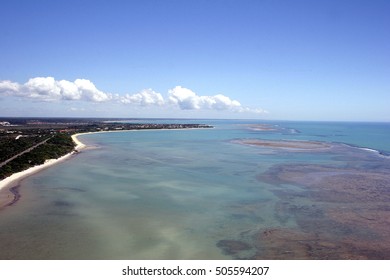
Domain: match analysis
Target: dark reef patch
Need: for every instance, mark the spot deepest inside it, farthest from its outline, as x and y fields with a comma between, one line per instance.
x=339, y=211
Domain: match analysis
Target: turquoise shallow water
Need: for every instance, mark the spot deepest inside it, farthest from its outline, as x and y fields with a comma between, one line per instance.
x=190, y=194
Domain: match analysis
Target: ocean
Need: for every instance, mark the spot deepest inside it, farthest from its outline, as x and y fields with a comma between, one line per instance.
x=215, y=193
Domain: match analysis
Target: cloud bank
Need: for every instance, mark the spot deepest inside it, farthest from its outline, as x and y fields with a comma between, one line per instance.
x=48, y=89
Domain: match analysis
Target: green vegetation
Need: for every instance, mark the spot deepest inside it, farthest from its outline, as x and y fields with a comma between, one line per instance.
x=59, y=145
x=11, y=147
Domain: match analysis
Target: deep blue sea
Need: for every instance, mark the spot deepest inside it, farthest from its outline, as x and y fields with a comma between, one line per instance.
x=203, y=194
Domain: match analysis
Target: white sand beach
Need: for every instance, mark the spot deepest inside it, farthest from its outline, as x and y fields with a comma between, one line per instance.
x=79, y=144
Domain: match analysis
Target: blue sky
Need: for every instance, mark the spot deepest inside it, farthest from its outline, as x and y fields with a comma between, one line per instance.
x=265, y=59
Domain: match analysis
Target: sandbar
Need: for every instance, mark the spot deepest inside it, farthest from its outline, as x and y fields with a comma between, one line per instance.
x=263, y=127
x=284, y=144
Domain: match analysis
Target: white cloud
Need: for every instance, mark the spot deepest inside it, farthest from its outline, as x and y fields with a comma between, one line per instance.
x=90, y=92
x=144, y=98
x=186, y=99
x=69, y=90
x=75, y=109
x=48, y=89
x=8, y=87
x=41, y=88
x=222, y=102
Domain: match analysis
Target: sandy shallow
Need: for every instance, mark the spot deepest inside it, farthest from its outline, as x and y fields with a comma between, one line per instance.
x=7, y=195
x=284, y=144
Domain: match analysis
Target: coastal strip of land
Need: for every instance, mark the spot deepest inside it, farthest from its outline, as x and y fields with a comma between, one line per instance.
x=9, y=194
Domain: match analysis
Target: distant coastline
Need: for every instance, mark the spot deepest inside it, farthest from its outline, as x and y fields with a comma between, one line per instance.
x=8, y=192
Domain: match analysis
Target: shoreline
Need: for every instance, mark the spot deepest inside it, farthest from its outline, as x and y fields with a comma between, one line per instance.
x=10, y=182
x=79, y=145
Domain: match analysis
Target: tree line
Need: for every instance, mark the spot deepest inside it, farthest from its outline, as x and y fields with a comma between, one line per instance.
x=60, y=144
